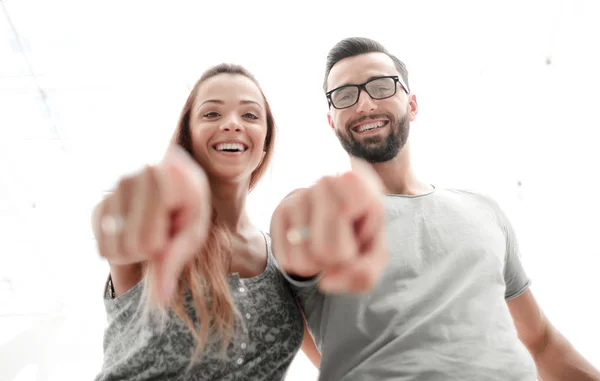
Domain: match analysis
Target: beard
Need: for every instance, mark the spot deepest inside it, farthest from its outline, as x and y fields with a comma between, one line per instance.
x=376, y=149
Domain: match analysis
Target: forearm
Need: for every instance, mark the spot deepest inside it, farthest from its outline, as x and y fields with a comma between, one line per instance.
x=310, y=349
x=557, y=360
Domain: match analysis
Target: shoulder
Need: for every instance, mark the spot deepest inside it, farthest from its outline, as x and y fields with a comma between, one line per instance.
x=478, y=198
x=488, y=204
x=466, y=199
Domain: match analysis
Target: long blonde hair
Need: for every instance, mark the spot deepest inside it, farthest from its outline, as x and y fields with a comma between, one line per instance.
x=205, y=276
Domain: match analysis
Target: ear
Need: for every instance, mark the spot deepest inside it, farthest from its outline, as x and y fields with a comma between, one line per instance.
x=330, y=120
x=413, y=107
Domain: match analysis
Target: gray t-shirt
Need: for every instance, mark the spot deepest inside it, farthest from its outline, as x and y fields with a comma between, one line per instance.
x=439, y=311
x=262, y=348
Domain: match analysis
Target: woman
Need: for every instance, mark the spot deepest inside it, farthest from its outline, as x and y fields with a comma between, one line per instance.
x=193, y=292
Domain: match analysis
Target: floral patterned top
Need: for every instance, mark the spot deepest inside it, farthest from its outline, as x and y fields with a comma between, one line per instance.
x=262, y=347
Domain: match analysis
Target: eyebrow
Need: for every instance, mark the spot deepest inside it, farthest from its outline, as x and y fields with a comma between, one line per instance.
x=354, y=84
x=242, y=102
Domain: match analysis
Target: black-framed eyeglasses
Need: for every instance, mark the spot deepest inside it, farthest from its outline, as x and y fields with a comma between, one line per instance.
x=377, y=88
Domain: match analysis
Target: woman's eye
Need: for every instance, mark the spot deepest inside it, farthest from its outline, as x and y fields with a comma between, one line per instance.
x=211, y=114
x=250, y=115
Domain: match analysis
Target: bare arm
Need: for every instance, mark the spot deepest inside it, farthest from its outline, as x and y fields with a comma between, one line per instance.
x=556, y=359
x=310, y=349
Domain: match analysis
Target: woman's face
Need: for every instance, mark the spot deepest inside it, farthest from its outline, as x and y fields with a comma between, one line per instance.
x=228, y=127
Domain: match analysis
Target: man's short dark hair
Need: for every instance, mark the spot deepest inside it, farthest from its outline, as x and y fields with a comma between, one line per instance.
x=355, y=46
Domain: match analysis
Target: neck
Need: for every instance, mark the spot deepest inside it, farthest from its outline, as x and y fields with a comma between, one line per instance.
x=229, y=201
x=398, y=176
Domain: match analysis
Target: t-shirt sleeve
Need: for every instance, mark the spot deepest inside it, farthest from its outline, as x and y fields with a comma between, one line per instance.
x=311, y=301
x=515, y=277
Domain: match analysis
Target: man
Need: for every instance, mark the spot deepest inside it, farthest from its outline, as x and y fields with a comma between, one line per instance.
x=453, y=300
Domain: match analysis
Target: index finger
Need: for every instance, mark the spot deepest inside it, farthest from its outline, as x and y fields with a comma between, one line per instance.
x=359, y=189
x=180, y=176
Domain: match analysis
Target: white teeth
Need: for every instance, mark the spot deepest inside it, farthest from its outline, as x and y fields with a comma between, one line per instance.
x=371, y=126
x=230, y=147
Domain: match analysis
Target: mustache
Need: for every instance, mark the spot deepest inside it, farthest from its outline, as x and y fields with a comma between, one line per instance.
x=361, y=119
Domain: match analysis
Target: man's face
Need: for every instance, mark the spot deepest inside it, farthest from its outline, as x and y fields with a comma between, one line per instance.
x=371, y=129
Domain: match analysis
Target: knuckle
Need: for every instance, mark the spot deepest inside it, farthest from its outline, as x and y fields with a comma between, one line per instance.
x=319, y=187
x=327, y=181
x=301, y=198
x=282, y=211
x=148, y=179
x=290, y=205
x=124, y=184
x=102, y=206
x=351, y=178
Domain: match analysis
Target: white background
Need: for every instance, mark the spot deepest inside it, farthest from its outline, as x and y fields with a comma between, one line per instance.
x=90, y=90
